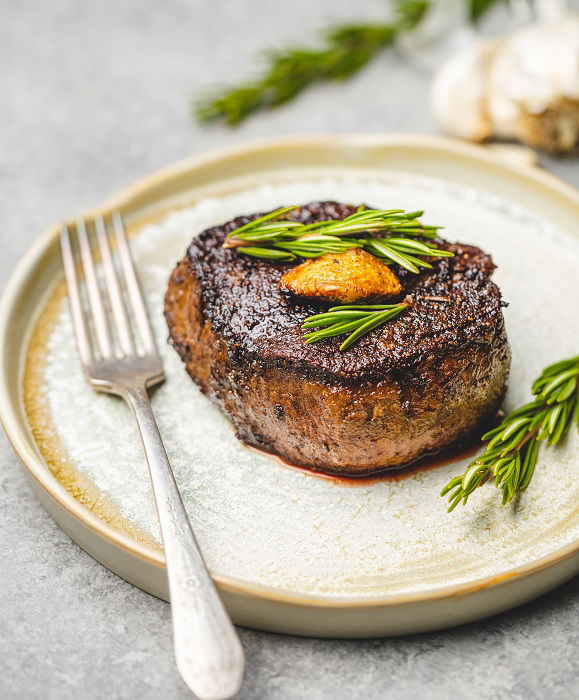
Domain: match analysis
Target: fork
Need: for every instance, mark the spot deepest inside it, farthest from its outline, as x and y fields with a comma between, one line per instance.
x=119, y=356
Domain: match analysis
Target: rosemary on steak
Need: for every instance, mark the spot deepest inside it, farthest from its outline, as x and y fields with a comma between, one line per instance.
x=356, y=319
x=347, y=49
x=511, y=453
x=275, y=238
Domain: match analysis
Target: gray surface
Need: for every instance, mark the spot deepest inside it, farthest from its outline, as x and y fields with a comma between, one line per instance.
x=94, y=95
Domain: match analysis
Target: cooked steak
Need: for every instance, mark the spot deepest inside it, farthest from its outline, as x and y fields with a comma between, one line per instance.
x=423, y=381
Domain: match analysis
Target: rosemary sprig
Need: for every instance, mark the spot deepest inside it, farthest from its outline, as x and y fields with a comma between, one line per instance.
x=347, y=49
x=275, y=238
x=511, y=453
x=292, y=70
x=477, y=8
x=357, y=320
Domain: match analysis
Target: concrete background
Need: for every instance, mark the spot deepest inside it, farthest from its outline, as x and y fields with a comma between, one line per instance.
x=94, y=95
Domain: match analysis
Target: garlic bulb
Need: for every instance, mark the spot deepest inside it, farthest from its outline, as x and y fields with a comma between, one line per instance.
x=459, y=92
x=525, y=86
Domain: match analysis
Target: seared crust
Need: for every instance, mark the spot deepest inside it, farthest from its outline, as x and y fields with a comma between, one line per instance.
x=426, y=379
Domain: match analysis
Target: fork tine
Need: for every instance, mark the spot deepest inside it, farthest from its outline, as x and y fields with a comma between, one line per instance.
x=114, y=291
x=94, y=296
x=78, y=318
x=133, y=286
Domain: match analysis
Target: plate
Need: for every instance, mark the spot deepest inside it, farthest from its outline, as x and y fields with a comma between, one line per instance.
x=292, y=552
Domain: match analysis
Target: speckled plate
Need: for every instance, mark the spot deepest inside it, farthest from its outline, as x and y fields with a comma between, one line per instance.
x=292, y=552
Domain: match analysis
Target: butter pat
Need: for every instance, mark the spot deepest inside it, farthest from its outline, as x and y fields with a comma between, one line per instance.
x=342, y=277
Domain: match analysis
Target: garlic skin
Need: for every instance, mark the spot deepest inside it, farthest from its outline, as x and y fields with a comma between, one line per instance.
x=459, y=92
x=524, y=86
x=534, y=68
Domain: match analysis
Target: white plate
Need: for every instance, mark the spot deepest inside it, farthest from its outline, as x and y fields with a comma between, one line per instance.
x=293, y=552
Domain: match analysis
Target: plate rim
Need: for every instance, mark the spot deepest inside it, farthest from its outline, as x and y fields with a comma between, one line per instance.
x=23, y=443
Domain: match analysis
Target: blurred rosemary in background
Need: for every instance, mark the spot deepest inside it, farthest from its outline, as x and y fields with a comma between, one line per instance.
x=347, y=49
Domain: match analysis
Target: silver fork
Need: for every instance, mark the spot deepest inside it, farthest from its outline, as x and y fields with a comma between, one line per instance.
x=123, y=361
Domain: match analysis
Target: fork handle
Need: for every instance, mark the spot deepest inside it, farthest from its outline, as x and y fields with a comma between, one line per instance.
x=208, y=652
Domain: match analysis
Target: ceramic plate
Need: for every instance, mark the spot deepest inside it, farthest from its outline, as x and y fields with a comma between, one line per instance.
x=290, y=551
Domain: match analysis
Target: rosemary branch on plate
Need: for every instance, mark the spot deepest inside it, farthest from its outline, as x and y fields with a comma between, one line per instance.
x=276, y=238
x=356, y=319
x=511, y=453
x=347, y=49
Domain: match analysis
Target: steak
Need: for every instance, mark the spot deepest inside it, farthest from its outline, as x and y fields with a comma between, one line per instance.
x=427, y=379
